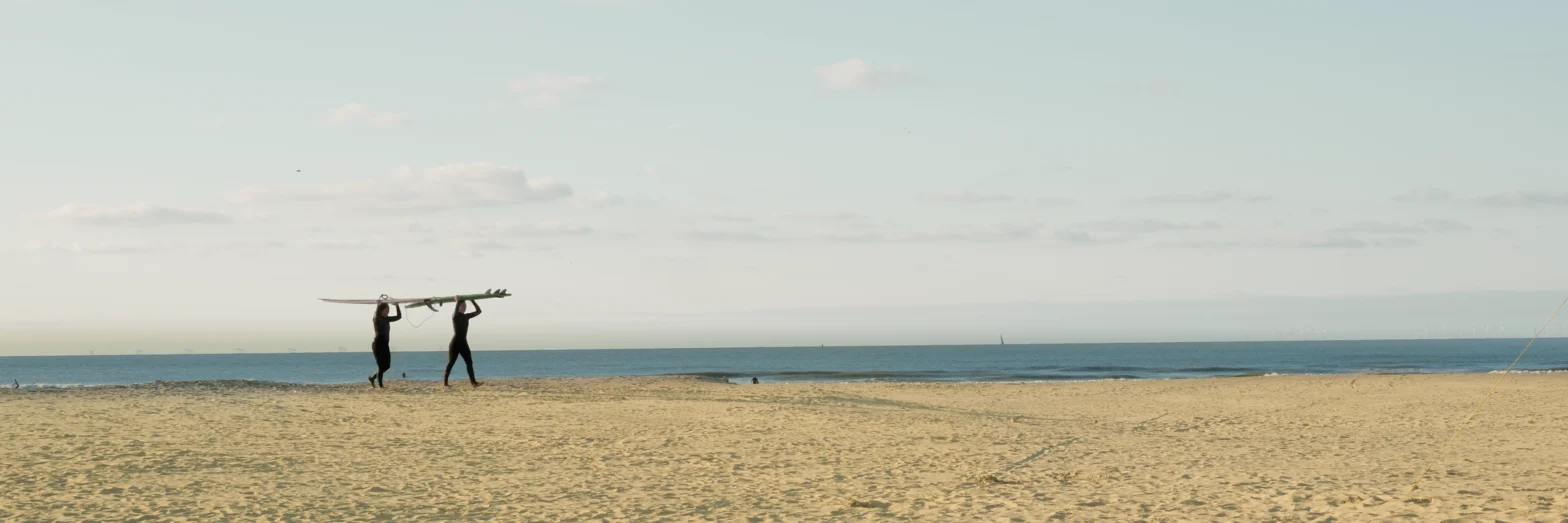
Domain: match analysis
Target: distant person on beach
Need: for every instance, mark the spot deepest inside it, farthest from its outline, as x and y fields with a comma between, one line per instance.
x=16, y=384
x=753, y=380
x=459, y=345
x=382, y=346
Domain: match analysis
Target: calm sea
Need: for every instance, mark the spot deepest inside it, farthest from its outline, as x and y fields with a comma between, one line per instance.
x=794, y=364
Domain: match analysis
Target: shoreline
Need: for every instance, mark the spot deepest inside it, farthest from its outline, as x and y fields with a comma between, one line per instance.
x=1014, y=363
x=740, y=379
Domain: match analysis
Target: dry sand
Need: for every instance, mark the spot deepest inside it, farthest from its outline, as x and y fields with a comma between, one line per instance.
x=1319, y=448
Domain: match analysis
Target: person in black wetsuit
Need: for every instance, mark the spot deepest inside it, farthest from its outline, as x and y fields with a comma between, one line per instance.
x=382, y=347
x=459, y=345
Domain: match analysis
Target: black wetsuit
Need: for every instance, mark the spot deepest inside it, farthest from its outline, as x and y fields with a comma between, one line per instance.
x=459, y=345
x=382, y=347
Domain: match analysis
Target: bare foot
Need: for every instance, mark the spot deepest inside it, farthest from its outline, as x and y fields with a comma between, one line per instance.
x=477, y=384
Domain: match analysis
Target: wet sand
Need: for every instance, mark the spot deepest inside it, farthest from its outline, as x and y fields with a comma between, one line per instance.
x=1292, y=448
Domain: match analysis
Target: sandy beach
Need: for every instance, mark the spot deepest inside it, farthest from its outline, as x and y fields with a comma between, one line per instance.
x=1292, y=448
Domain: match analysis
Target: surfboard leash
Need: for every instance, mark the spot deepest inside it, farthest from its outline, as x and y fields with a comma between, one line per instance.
x=427, y=318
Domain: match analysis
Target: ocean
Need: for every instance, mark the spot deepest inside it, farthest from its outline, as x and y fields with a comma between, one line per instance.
x=1057, y=362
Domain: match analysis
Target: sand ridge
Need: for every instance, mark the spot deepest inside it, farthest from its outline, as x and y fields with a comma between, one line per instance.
x=1289, y=448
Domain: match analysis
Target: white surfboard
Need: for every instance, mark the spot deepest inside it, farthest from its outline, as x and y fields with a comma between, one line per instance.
x=430, y=302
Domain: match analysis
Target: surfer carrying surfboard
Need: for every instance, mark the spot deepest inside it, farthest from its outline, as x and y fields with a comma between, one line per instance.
x=382, y=346
x=383, y=323
x=459, y=345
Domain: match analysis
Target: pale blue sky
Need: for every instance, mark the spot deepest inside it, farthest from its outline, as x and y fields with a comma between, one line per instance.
x=702, y=164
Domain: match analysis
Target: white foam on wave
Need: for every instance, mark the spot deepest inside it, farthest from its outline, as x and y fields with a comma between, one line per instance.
x=1540, y=371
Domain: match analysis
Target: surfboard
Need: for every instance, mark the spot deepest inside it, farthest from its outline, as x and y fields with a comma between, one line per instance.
x=430, y=302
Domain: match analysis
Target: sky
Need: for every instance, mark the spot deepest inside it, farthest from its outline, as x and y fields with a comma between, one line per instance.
x=676, y=173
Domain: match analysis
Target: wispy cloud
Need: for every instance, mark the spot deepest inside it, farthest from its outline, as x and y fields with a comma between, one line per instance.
x=338, y=245
x=1007, y=232
x=968, y=196
x=134, y=215
x=445, y=187
x=1357, y=243
x=1222, y=244
x=1019, y=233
x=729, y=236
x=1323, y=242
x=148, y=247
x=480, y=247
x=97, y=247
x=1146, y=226
x=1422, y=227
x=1530, y=198
x=545, y=228
x=1427, y=195
x=1013, y=232
x=839, y=217
x=727, y=218
x=1049, y=201
x=849, y=237
x=855, y=74
x=988, y=232
x=358, y=113
x=401, y=230
x=310, y=228
x=1073, y=236
x=550, y=90
x=599, y=200
x=1205, y=197
x=242, y=245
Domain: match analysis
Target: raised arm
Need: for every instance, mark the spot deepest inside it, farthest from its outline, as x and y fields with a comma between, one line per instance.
x=399, y=312
x=477, y=310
